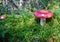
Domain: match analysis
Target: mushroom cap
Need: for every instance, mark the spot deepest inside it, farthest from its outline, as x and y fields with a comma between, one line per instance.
x=3, y=16
x=43, y=14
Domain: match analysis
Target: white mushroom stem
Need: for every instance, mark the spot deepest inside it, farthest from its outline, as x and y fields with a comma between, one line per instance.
x=42, y=21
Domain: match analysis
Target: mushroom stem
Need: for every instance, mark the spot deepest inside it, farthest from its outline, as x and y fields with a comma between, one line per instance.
x=42, y=21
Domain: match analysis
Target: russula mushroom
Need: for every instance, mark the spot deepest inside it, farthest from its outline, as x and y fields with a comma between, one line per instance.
x=42, y=15
x=3, y=16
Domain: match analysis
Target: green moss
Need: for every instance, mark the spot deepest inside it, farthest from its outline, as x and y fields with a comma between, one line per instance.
x=23, y=27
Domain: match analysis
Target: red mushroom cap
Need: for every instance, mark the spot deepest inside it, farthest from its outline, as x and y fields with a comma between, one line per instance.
x=43, y=14
x=3, y=16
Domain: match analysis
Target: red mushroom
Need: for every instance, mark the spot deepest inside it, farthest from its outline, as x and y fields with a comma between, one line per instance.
x=3, y=16
x=42, y=14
